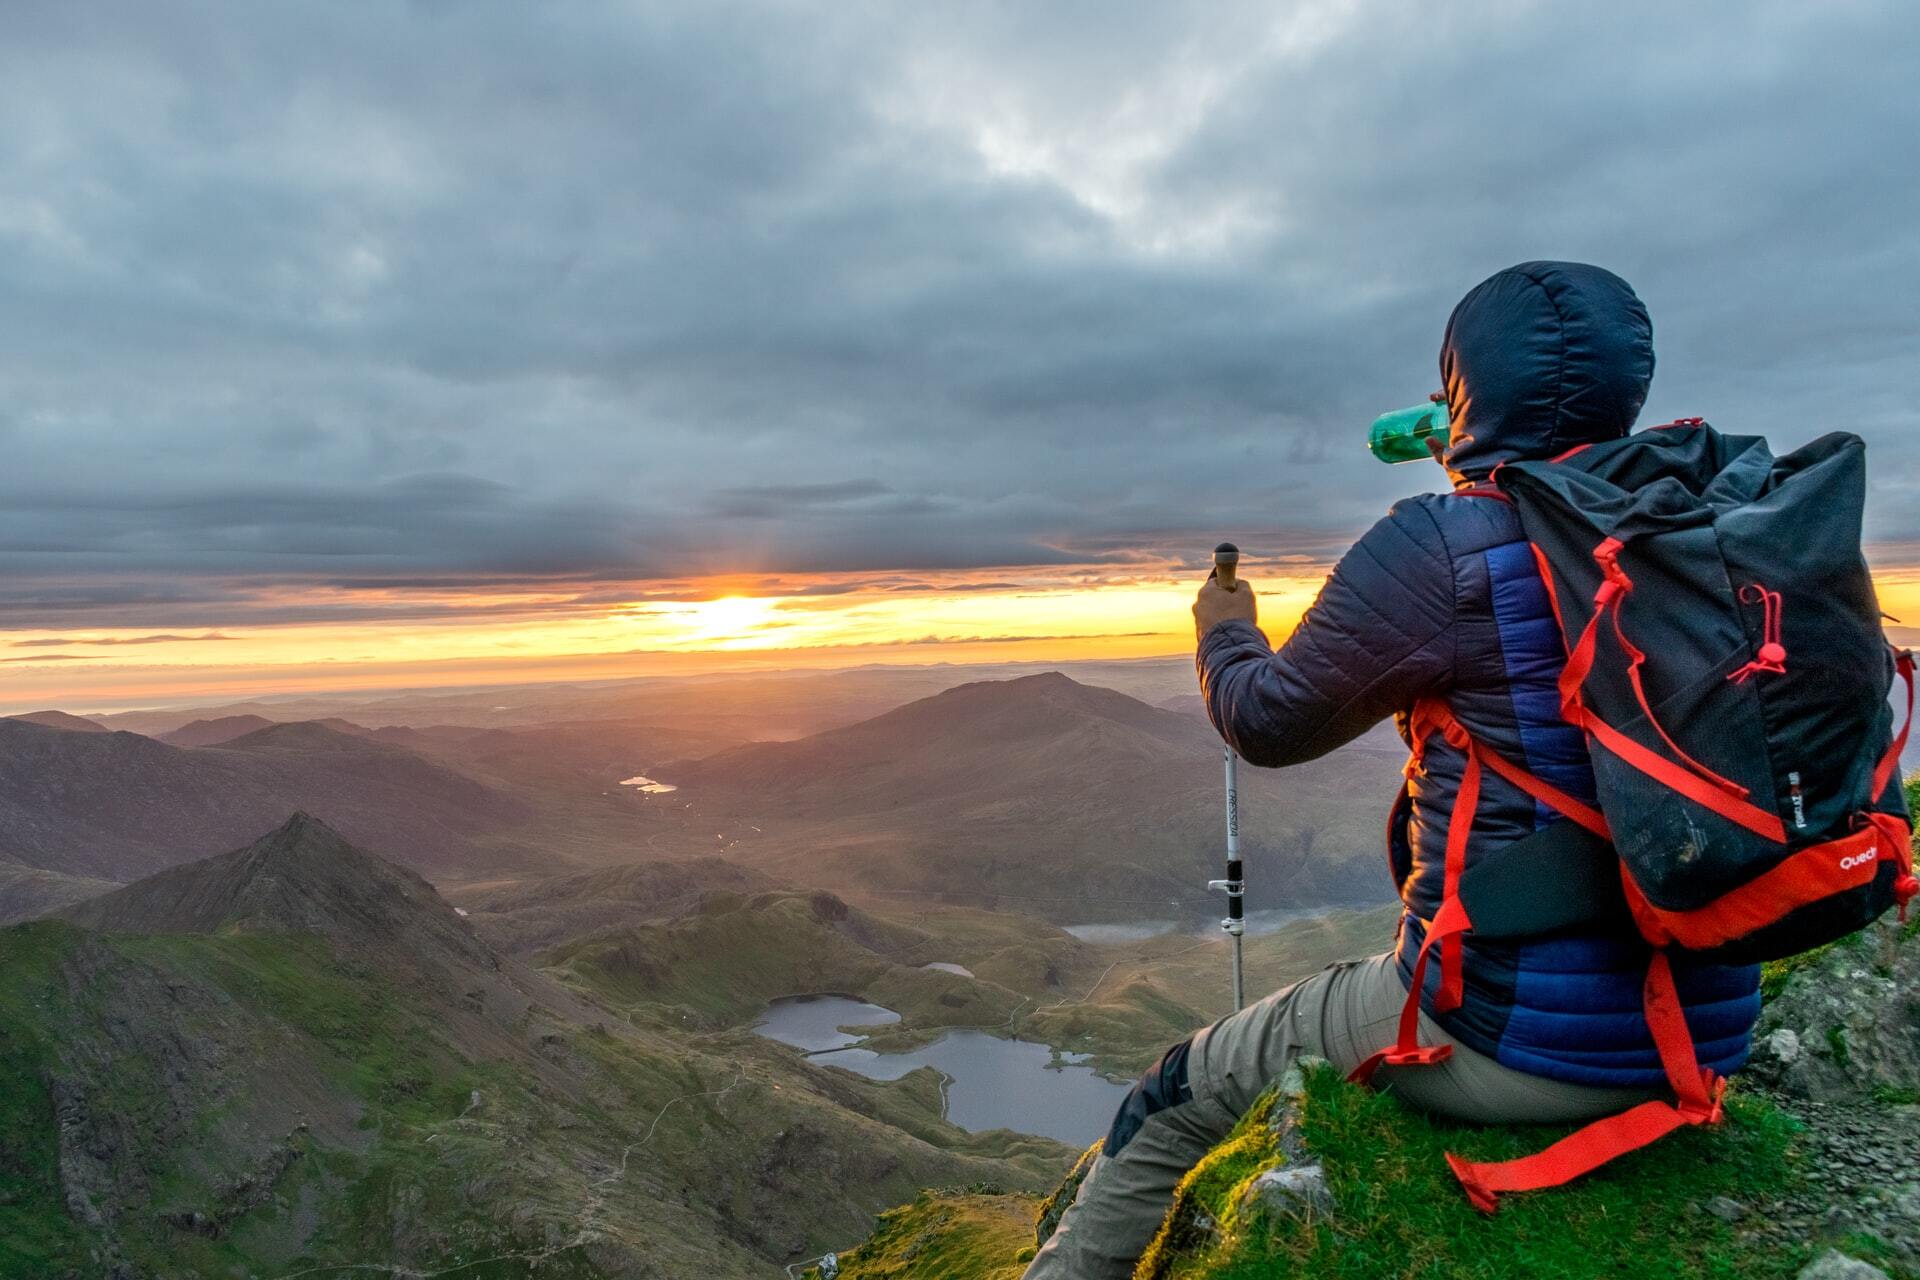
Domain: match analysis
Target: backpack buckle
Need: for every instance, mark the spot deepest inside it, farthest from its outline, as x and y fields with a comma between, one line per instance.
x=1420, y=1055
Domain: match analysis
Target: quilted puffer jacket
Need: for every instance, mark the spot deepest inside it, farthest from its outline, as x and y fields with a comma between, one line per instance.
x=1442, y=599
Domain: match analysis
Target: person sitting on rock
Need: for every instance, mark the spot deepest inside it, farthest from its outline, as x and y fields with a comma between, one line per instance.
x=1441, y=599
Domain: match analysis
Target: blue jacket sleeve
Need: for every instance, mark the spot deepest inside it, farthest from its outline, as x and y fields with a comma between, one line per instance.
x=1378, y=636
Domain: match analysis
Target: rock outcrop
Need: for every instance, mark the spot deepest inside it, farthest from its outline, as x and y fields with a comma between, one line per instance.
x=1842, y=1024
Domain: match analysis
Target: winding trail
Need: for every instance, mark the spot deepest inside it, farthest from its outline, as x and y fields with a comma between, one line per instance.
x=627, y=1152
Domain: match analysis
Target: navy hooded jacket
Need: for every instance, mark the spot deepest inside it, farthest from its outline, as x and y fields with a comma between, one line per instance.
x=1442, y=599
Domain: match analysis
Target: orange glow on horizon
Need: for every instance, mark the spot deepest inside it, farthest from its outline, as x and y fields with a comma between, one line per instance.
x=712, y=625
x=449, y=639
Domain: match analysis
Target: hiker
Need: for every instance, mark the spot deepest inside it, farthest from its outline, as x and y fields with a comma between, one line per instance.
x=1440, y=599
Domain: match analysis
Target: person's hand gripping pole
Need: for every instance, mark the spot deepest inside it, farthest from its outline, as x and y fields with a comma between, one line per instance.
x=1225, y=595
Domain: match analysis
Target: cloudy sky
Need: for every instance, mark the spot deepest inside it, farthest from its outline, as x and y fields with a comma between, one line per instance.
x=393, y=335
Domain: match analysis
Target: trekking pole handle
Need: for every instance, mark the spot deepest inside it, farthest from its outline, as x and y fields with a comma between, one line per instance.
x=1226, y=566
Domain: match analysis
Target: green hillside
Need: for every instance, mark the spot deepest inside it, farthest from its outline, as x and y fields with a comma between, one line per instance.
x=718, y=965
x=252, y=1100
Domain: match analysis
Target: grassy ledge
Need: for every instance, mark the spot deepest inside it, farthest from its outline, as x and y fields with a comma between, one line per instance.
x=1400, y=1212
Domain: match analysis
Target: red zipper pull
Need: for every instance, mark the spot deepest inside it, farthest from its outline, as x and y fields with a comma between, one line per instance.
x=1772, y=655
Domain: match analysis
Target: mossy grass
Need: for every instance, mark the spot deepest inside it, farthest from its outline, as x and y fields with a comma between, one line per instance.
x=1402, y=1214
x=945, y=1235
x=37, y=1236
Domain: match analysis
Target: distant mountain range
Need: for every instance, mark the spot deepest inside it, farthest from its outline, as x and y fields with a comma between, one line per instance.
x=1045, y=794
x=1040, y=794
x=738, y=706
x=211, y=733
x=117, y=805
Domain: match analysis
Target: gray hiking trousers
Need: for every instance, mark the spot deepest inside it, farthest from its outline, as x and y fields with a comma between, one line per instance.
x=1343, y=1014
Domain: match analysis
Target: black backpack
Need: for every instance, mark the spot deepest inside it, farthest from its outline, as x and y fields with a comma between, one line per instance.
x=1726, y=660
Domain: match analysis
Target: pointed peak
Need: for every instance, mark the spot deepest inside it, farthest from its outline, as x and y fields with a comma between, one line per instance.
x=303, y=837
x=301, y=877
x=299, y=828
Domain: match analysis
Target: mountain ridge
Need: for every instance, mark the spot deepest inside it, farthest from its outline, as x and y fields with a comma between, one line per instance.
x=211, y=732
x=62, y=720
x=119, y=805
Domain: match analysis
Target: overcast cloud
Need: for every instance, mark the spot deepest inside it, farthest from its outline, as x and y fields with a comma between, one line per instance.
x=419, y=293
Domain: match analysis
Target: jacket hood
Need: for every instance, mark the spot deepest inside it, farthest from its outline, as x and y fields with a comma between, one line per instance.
x=1539, y=358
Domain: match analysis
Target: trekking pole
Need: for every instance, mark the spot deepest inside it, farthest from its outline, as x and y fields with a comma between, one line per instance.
x=1226, y=566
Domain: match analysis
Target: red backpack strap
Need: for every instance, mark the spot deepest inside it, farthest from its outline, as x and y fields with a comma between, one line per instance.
x=1406, y=1050
x=1697, y=1092
x=1897, y=836
x=1697, y=1100
x=1691, y=778
x=1450, y=922
x=1883, y=772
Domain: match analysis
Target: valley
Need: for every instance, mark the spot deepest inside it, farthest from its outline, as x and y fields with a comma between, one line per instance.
x=296, y=1057
x=1038, y=794
x=478, y=1008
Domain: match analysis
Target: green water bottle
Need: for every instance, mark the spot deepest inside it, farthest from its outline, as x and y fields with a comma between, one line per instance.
x=1401, y=436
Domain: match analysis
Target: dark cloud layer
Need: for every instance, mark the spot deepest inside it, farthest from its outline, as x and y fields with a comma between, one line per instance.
x=399, y=294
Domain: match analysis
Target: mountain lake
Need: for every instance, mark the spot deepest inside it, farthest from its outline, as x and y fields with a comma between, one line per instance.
x=991, y=1083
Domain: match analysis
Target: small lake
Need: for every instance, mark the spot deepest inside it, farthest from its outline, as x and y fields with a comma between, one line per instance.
x=992, y=1083
x=648, y=785
x=813, y=1022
